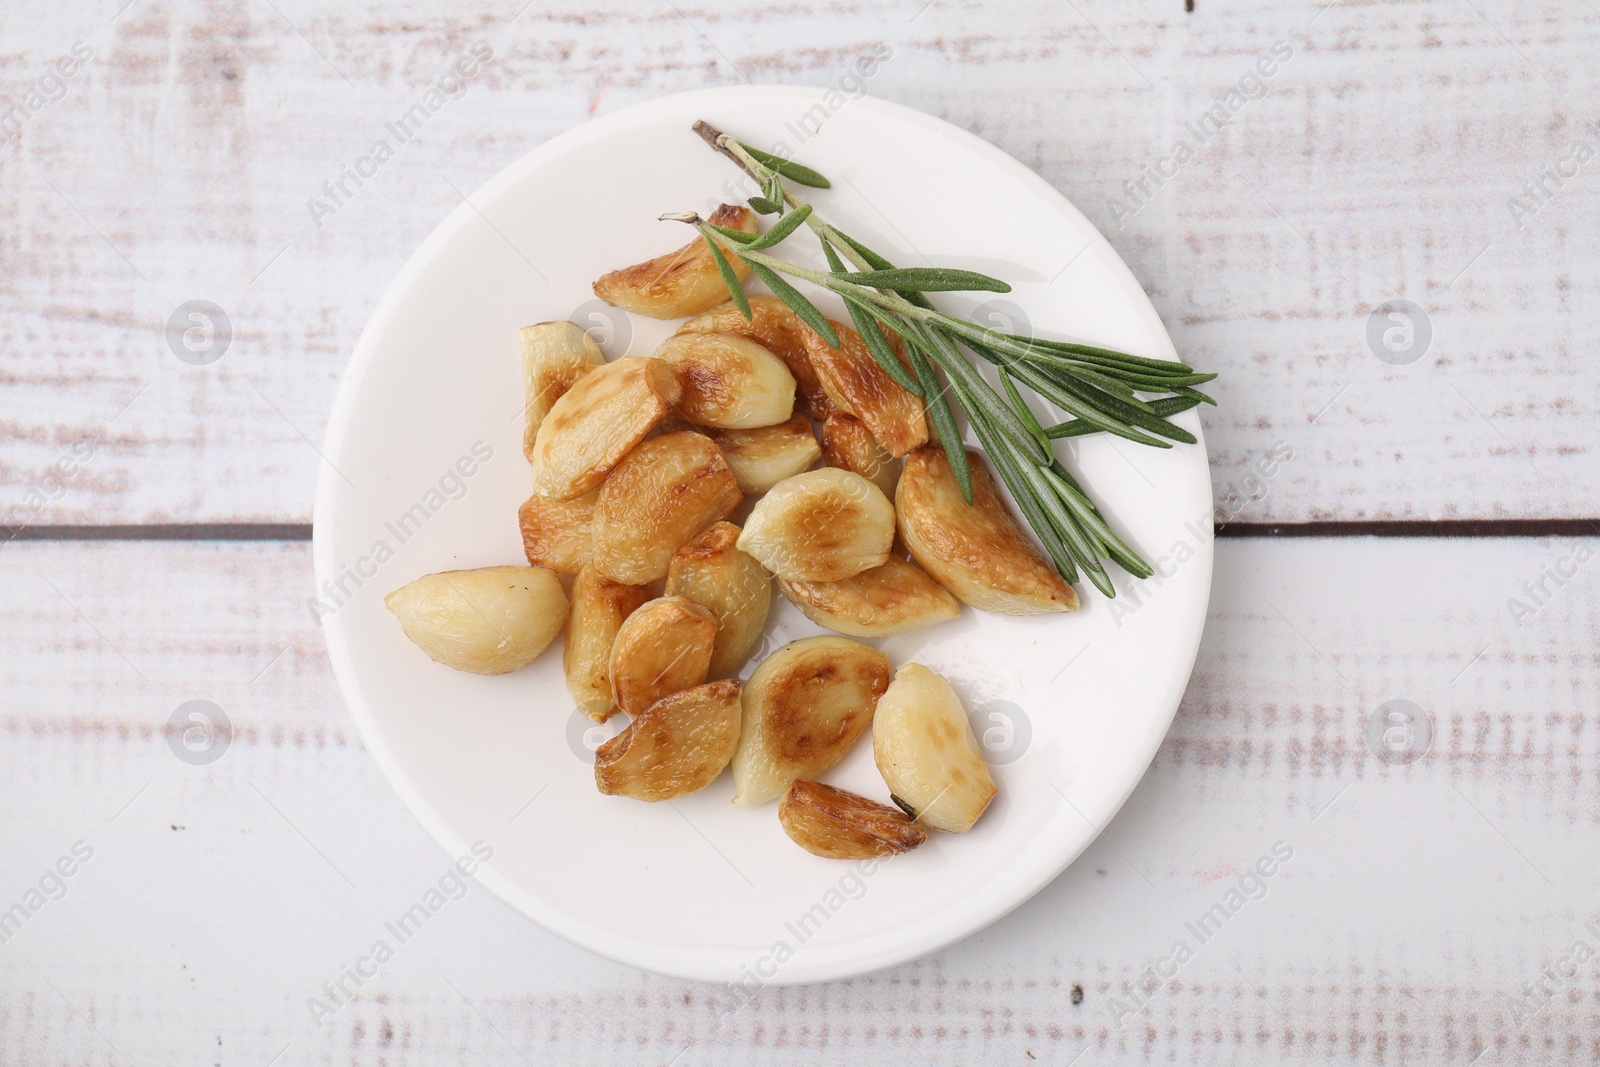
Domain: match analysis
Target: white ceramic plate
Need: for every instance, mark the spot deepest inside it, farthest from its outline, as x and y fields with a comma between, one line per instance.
x=1071, y=707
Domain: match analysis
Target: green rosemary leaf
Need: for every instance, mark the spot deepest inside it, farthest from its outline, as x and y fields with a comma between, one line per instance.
x=765, y=206
x=731, y=280
x=930, y=280
x=797, y=303
x=1142, y=417
x=879, y=263
x=781, y=229
x=774, y=192
x=878, y=347
x=902, y=327
x=835, y=264
x=938, y=408
x=1028, y=503
x=978, y=396
x=1080, y=427
x=1115, y=386
x=1195, y=394
x=1023, y=410
x=1073, y=496
x=796, y=173
x=1166, y=384
x=736, y=236
x=1071, y=400
x=1165, y=366
x=1074, y=538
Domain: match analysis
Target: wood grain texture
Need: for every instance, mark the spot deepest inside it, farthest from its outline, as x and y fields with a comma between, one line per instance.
x=1417, y=902
x=1377, y=164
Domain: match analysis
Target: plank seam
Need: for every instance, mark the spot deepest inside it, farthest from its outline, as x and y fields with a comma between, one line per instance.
x=1401, y=528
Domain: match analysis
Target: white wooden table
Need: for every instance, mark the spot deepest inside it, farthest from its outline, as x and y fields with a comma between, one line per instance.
x=1432, y=910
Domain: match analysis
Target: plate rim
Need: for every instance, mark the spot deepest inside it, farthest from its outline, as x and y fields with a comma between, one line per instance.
x=838, y=963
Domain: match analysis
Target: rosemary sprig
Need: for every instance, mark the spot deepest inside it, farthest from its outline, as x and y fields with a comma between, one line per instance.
x=1098, y=387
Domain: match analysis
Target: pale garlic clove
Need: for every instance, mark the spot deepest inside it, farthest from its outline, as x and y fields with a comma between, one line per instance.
x=665, y=492
x=492, y=620
x=556, y=533
x=662, y=647
x=925, y=750
x=893, y=598
x=820, y=526
x=839, y=825
x=763, y=457
x=597, y=422
x=849, y=445
x=979, y=552
x=858, y=386
x=676, y=746
x=681, y=282
x=728, y=382
x=773, y=326
x=804, y=706
x=599, y=608
x=554, y=356
x=712, y=571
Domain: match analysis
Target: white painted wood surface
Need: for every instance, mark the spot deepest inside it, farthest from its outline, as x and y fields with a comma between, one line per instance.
x=1377, y=164
x=1418, y=900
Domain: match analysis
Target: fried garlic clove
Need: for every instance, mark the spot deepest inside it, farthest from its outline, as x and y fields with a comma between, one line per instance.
x=858, y=386
x=492, y=620
x=820, y=526
x=676, y=746
x=925, y=750
x=849, y=445
x=554, y=356
x=728, y=382
x=763, y=457
x=715, y=573
x=839, y=825
x=775, y=327
x=804, y=706
x=662, y=647
x=665, y=492
x=597, y=422
x=599, y=608
x=979, y=552
x=892, y=598
x=682, y=282
x=556, y=533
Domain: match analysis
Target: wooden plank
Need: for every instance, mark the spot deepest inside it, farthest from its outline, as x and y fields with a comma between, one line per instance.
x=1377, y=165
x=1417, y=902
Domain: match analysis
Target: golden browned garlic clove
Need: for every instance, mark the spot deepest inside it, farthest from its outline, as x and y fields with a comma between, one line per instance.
x=556, y=533
x=492, y=620
x=893, y=598
x=820, y=526
x=664, y=646
x=668, y=489
x=728, y=382
x=858, y=386
x=599, y=608
x=676, y=746
x=925, y=750
x=682, y=282
x=777, y=329
x=849, y=445
x=712, y=571
x=597, y=422
x=763, y=457
x=804, y=706
x=978, y=552
x=839, y=825
x=554, y=356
